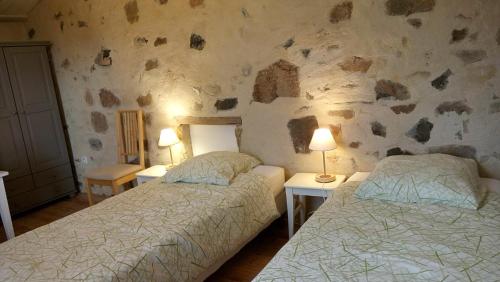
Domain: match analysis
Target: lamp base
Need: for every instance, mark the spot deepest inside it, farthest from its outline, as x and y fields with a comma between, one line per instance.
x=324, y=178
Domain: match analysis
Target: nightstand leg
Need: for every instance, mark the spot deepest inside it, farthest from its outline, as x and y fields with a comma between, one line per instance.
x=290, y=212
x=302, y=200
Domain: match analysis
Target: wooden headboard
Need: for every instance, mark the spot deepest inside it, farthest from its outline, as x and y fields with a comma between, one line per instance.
x=185, y=121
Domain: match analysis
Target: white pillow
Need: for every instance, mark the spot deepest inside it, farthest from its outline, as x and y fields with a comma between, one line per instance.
x=434, y=179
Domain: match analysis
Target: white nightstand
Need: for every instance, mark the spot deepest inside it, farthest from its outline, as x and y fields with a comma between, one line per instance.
x=303, y=184
x=151, y=173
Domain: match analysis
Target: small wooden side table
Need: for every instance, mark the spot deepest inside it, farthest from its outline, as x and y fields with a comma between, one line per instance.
x=302, y=185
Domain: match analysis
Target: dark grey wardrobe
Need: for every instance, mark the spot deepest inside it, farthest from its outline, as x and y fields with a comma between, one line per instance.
x=33, y=144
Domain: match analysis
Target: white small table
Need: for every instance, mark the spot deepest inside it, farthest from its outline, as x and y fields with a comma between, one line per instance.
x=303, y=184
x=151, y=173
x=4, y=208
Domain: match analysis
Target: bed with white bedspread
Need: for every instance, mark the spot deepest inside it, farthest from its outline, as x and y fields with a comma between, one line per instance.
x=154, y=232
x=352, y=239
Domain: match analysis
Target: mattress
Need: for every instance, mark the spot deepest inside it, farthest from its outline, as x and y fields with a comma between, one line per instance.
x=154, y=232
x=275, y=177
x=349, y=239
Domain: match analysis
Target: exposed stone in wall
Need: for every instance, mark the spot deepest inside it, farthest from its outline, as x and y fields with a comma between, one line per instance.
x=198, y=106
x=341, y=12
x=336, y=130
x=288, y=43
x=405, y=109
x=301, y=132
x=95, y=144
x=31, y=33
x=89, y=99
x=421, y=131
x=481, y=74
x=494, y=108
x=347, y=114
x=473, y=36
x=140, y=41
x=387, y=89
x=99, y=122
x=144, y=100
x=463, y=151
x=332, y=47
x=355, y=144
x=281, y=79
x=103, y=58
x=408, y=7
x=213, y=89
x=245, y=13
x=355, y=64
x=397, y=151
x=458, y=35
x=416, y=23
x=160, y=41
x=305, y=52
x=197, y=42
x=246, y=70
x=441, y=81
x=303, y=109
x=471, y=56
x=132, y=11
x=151, y=64
x=65, y=64
x=420, y=74
x=226, y=104
x=148, y=119
x=458, y=107
x=378, y=129
x=195, y=3
x=58, y=16
x=82, y=24
x=350, y=86
x=162, y=2
x=108, y=99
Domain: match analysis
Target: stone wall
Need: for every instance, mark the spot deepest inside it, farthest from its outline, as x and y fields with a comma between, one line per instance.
x=387, y=76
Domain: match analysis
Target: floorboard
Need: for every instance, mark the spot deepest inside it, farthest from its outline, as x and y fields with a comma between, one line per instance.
x=244, y=266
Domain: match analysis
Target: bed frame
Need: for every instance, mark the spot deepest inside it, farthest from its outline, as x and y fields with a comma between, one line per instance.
x=185, y=121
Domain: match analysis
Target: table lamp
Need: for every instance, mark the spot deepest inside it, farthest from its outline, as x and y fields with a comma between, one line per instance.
x=168, y=138
x=322, y=140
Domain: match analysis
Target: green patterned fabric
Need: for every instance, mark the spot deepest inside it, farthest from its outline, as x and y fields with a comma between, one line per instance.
x=434, y=178
x=349, y=239
x=217, y=168
x=153, y=232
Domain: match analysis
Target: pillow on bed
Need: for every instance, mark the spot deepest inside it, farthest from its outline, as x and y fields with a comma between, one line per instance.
x=434, y=179
x=217, y=168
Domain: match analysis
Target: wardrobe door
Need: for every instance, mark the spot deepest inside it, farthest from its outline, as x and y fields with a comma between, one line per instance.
x=13, y=156
x=34, y=95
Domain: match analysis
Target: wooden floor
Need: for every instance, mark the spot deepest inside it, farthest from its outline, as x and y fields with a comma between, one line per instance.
x=244, y=266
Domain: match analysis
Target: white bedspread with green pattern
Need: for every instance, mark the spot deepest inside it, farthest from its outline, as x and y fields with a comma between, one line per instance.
x=154, y=232
x=349, y=239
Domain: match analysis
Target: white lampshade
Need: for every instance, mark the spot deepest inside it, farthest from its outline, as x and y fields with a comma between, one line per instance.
x=168, y=137
x=322, y=140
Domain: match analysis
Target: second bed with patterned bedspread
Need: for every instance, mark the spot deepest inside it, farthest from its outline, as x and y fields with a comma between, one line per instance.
x=350, y=239
x=157, y=231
